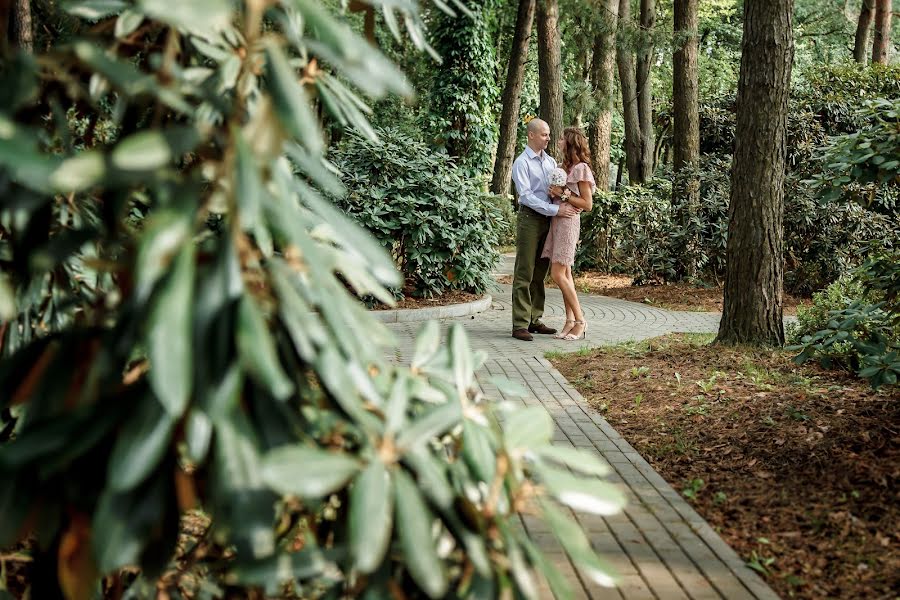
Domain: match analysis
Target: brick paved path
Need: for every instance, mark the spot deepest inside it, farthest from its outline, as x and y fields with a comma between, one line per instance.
x=660, y=546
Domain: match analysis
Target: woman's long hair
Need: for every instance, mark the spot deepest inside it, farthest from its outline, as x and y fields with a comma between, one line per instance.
x=576, y=148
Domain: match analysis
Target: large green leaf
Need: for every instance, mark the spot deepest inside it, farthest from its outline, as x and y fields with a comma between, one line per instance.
x=169, y=341
x=94, y=9
x=478, y=451
x=278, y=569
x=371, y=512
x=416, y=541
x=291, y=103
x=577, y=546
x=206, y=16
x=122, y=523
x=582, y=461
x=141, y=444
x=435, y=422
x=582, y=493
x=257, y=352
x=248, y=185
x=528, y=427
x=307, y=472
x=164, y=234
x=153, y=149
x=427, y=344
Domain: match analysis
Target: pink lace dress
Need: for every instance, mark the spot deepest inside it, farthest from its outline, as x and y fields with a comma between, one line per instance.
x=564, y=231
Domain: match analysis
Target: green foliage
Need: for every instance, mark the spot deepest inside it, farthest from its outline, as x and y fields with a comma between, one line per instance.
x=850, y=326
x=864, y=166
x=152, y=363
x=461, y=112
x=441, y=229
x=634, y=229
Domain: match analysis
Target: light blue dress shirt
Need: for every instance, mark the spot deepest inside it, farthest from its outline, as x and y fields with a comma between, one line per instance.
x=530, y=173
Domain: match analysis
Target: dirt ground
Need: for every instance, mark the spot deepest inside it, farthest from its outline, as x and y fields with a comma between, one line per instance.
x=443, y=300
x=796, y=467
x=675, y=296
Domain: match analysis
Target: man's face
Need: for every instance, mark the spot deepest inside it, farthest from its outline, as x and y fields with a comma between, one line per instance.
x=540, y=138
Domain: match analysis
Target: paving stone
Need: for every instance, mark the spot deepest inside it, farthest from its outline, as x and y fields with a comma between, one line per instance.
x=660, y=546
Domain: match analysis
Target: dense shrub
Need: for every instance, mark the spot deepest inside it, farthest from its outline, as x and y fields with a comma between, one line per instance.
x=442, y=230
x=849, y=325
x=633, y=229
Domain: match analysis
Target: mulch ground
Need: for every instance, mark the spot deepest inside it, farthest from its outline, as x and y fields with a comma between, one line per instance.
x=442, y=300
x=796, y=467
x=670, y=296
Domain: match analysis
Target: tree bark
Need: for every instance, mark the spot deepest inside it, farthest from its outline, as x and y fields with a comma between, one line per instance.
x=22, y=35
x=628, y=84
x=549, y=69
x=512, y=101
x=603, y=83
x=863, y=24
x=755, y=263
x=686, y=109
x=881, y=46
x=645, y=91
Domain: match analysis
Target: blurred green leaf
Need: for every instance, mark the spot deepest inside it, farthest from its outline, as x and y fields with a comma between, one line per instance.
x=279, y=569
x=371, y=512
x=528, y=427
x=416, y=540
x=257, y=352
x=478, y=451
x=577, y=546
x=583, y=494
x=435, y=422
x=140, y=445
x=206, y=16
x=291, y=103
x=94, y=9
x=583, y=461
x=307, y=472
x=169, y=342
x=427, y=343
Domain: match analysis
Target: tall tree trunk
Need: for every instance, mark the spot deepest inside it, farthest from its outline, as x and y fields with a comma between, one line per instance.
x=603, y=83
x=861, y=44
x=882, y=45
x=644, y=90
x=509, y=118
x=628, y=84
x=755, y=263
x=22, y=31
x=549, y=69
x=686, y=109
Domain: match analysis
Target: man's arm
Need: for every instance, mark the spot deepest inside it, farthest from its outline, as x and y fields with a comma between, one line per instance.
x=527, y=196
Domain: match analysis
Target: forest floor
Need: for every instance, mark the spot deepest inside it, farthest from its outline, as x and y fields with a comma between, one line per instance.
x=669, y=296
x=796, y=467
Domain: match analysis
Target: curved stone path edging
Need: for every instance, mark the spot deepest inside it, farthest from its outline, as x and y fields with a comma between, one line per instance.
x=659, y=545
x=448, y=311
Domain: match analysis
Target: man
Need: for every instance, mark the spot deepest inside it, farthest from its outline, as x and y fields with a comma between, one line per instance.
x=530, y=173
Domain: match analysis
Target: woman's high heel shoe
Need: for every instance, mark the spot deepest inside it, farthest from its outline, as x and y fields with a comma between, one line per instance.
x=571, y=338
x=562, y=335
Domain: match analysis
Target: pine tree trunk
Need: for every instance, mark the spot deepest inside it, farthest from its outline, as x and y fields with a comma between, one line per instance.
x=645, y=91
x=882, y=44
x=755, y=264
x=603, y=83
x=628, y=84
x=22, y=32
x=509, y=118
x=861, y=44
x=549, y=69
x=686, y=109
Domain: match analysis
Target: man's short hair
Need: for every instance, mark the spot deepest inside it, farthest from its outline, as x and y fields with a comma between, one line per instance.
x=534, y=125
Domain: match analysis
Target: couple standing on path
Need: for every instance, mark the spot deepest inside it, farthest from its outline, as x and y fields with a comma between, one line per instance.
x=547, y=230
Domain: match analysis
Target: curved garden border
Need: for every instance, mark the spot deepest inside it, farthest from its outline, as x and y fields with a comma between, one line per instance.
x=437, y=312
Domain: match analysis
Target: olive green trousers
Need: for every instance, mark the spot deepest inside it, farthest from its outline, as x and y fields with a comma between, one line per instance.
x=530, y=270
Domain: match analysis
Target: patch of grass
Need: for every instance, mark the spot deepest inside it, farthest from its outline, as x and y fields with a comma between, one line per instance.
x=557, y=354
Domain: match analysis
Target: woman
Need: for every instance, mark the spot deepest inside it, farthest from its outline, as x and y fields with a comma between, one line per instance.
x=564, y=231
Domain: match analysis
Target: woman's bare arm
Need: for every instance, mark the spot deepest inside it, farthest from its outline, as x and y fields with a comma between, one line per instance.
x=584, y=200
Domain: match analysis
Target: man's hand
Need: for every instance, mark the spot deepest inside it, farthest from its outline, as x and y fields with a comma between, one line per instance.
x=567, y=210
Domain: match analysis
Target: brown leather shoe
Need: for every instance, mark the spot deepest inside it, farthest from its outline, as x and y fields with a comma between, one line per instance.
x=541, y=328
x=522, y=334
